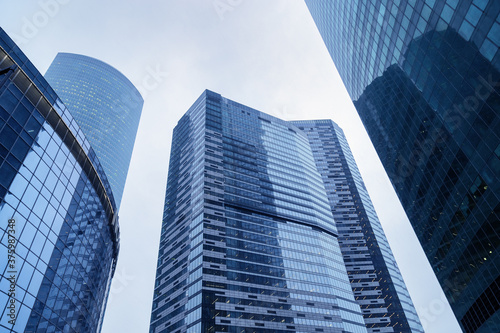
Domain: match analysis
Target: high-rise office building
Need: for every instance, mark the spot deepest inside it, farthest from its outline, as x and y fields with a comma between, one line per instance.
x=249, y=242
x=59, y=231
x=424, y=77
x=106, y=106
x=374, y=275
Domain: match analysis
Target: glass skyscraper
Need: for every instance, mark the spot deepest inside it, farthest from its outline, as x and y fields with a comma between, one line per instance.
x=424, y=77
x=59, y=235
x=107, y=107
x=249, y=242
x=374, y=275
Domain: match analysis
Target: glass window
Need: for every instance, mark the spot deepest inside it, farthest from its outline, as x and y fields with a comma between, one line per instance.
x=473, y=15
x=494, y=34
x=488, y=49
x=447, y=13
x=28, y=234
x=466, y=30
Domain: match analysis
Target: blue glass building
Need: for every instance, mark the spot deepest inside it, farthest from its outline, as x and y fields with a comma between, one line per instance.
x=57, y=200
x=107, y=107
x=424, y=77
x=375, y=279
x=248, y=240
x=249, y=243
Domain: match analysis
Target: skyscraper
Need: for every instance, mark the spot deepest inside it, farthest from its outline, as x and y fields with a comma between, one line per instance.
x=424, y=76
x=374, y=275
x=248, y=238
x=59, y=231
x=107, y=107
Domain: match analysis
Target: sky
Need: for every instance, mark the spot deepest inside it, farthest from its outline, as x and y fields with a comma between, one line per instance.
x=265, y=54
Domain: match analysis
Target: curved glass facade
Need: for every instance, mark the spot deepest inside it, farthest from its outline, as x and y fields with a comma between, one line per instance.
x=58, y=231
x=425, y=76
x=248, y=240
x=107, y=107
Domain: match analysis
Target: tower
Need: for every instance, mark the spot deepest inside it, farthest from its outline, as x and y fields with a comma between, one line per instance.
x=373, y=272
x=59, y=231
x=248, y=239
x=424, y=76
x=106, y=106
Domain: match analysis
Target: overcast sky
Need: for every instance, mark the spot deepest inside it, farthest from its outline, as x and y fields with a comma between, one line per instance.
x=265, y=54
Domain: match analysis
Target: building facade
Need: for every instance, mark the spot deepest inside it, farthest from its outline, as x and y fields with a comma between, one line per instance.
x=249, y=242
x=106, y=106
x=59, y=231
x=424, y=77
x=375, y=279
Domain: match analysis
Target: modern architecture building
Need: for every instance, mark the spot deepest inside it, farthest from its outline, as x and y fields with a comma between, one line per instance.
x=59, y=234
x=424, y=77
x=249, y=242
x=375, y=279
x=106, y=106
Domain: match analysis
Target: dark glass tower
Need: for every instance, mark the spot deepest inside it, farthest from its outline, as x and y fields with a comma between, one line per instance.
x=424, y=77
x=106, y=106
x=248, y=240
x=59, y=233
x=375, y=279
